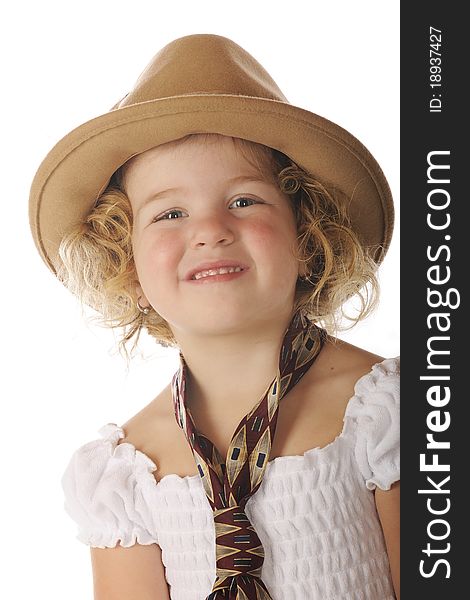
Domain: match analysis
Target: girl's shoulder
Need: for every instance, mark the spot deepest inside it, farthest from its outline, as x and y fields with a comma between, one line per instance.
x=347, y=360
x=338, y=370
x=361, y=392
x=372, y=419
x=155, y=432
x=357, y=368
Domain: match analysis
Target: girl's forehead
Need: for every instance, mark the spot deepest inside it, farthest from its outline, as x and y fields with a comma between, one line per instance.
x=225, y=154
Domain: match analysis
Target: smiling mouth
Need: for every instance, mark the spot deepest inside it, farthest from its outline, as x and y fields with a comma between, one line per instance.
x=219, y=271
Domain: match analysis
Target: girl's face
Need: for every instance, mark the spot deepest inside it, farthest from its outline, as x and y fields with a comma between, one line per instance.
x=199, y=207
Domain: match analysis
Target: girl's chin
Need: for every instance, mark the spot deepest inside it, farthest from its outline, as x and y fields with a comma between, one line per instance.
x=212, y=324
x=222, y=322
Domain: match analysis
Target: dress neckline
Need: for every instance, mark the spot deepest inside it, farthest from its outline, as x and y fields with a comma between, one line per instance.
x=194, y=479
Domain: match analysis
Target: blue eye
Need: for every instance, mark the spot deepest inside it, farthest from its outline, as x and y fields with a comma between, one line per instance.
x=167, y=216
x=244, y=199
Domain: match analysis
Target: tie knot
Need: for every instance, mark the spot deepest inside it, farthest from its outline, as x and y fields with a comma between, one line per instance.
x=238, y=547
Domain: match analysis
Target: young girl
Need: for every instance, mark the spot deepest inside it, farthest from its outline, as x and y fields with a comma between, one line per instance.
x=228, y=223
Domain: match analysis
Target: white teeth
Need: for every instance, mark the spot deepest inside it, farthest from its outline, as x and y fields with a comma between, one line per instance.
x=220, y=271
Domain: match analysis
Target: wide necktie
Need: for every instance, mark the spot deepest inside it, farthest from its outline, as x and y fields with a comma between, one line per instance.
x=229, y=485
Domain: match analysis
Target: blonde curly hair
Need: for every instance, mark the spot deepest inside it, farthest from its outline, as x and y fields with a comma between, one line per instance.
x=98, y=264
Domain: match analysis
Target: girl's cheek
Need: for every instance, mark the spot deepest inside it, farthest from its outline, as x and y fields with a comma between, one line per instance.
x=164, y=249
x=267, y=235
x=260, y=227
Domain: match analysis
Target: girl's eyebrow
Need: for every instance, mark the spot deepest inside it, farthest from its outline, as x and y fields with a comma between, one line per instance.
x=254, y=177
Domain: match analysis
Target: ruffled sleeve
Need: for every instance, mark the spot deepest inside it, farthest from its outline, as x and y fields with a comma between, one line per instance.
x=374, y=411
x=106, y=489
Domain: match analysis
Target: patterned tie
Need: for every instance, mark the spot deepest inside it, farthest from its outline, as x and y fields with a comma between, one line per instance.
x=228, y=486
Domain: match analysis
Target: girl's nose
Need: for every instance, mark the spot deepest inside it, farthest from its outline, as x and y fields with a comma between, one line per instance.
x=212, y=230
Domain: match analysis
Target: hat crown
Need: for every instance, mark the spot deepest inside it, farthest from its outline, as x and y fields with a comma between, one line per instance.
x=202, y=64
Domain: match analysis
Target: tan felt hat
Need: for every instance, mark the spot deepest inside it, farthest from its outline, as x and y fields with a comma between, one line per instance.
x=204, y=83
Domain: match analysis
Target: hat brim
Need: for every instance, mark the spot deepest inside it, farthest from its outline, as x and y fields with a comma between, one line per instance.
x=80, y=165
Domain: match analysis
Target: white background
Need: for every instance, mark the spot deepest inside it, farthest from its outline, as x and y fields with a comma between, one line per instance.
x=62, y=64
